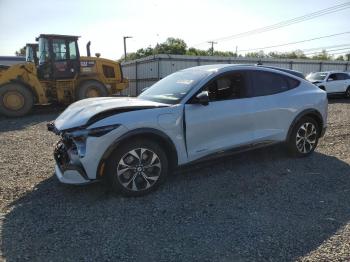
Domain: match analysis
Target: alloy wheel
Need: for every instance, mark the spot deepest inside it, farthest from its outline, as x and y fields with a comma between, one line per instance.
x=306, y=137
x=347, y=93
x=139, y=169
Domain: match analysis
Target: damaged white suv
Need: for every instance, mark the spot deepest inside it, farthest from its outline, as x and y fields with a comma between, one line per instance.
x=190, y=115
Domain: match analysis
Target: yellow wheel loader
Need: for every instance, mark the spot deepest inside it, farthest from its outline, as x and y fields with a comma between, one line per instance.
x=60, y=76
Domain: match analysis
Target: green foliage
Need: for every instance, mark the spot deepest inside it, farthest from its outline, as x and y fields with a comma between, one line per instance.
x=259, y=54
x=177, y=46
x=172, y=46
x=21, y=52
x=322, y=56
x=340, y=58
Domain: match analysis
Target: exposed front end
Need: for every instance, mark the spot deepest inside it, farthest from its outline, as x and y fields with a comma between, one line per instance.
x=68, y=168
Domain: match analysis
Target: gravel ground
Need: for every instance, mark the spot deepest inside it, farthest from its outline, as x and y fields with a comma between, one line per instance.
x=256, y=206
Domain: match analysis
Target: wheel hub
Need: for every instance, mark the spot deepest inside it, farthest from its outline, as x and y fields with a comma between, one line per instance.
x=92, y=92
x=139, y=169
x=306, y=138
x=13, y=100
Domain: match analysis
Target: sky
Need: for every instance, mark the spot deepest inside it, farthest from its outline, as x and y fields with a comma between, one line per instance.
x=105, y=22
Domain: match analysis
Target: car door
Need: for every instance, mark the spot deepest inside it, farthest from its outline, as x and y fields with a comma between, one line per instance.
x=335, y=83
x=273, y=105
x=225, y=122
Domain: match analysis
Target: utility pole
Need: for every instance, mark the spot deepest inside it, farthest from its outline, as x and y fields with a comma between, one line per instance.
x=236, y=51
x=124, y=38
x=212, y=46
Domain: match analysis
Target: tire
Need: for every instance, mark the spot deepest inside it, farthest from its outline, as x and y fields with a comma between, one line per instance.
x=15, y=100
x=91, y=89
x=302, y=143
x=138, y=180
x=347, y=92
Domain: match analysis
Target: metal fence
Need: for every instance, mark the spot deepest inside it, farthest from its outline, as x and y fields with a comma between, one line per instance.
x=146, y=71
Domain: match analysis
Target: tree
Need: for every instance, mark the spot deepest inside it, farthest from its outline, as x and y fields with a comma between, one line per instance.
x=172, y=46
x=347, y=56
x=296, y=54
x=259, y=54
x=21, y=52
x=322, y=56
x=340, y=58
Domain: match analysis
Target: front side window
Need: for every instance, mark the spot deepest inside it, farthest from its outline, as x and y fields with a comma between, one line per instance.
x=174, y=87
x=43, y=50
x=59, y=49
x=267, y=83
x=227, y=86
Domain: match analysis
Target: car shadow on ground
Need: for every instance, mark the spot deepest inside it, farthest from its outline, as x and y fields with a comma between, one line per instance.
x=338, y=99
x=259, y=205
x=37, y=115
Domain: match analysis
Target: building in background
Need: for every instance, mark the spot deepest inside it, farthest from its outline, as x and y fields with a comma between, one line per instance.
x=11, y=60
x=146, y=71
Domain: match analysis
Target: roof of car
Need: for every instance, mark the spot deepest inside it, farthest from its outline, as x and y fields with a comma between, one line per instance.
x=217, y=67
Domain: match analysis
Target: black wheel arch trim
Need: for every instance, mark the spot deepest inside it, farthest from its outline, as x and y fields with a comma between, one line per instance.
x=301, y=115
x=139, y=131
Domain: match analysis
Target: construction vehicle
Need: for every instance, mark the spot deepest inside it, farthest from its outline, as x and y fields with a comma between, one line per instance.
x=60, y=76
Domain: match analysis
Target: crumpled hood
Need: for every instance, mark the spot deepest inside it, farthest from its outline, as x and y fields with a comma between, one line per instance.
x=79, y=113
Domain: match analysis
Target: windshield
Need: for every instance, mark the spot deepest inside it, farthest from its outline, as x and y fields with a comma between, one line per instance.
x=43, y=50
x=171, y=89
x=320, y=76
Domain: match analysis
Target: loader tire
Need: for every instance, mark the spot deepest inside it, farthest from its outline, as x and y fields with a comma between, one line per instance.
x=91, y=89
x=15, y=100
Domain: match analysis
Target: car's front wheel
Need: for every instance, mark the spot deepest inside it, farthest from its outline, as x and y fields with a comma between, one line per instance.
x=137, y=168
x=304, y=137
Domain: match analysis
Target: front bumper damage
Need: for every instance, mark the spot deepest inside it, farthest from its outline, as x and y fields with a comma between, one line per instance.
x=68, y=168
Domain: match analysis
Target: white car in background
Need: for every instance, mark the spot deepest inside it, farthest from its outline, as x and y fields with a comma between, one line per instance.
x=331, y=82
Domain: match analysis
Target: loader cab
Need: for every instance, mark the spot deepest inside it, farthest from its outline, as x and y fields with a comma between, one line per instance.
x=31, y=53
x=59, y=57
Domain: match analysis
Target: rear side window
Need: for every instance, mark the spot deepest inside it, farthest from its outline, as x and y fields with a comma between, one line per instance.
x=267, y=83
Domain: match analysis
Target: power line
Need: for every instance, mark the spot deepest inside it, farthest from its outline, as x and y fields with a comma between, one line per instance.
x=324, y=47
x=292, y=43
x=327, y=51
x=331, y=51
x=329, y=10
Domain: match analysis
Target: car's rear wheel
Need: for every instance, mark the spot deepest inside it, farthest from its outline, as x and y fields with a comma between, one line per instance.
x=304, y=137
x=347, y=92
x=137, y=168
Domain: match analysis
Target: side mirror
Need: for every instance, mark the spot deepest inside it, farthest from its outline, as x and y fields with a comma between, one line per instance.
x=203, y=98
x=330, y=79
